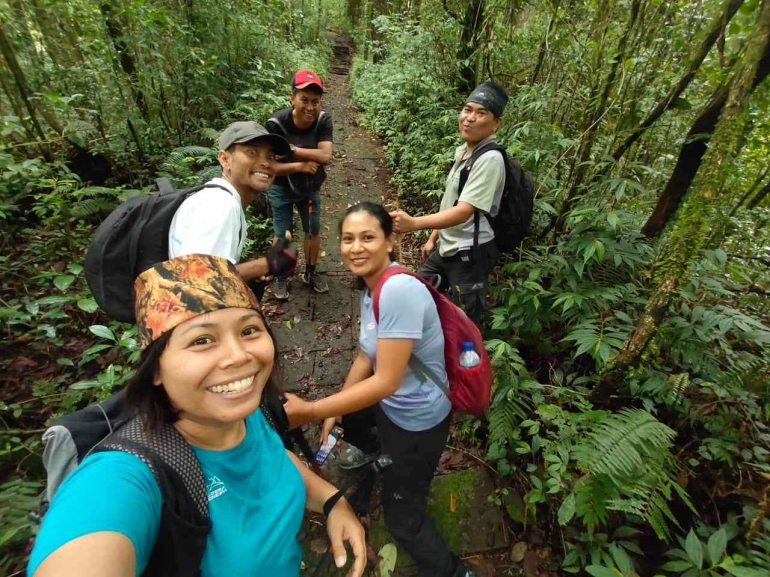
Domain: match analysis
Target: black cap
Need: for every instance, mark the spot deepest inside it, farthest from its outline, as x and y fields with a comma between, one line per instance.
x=246, y=131
x=491, y=96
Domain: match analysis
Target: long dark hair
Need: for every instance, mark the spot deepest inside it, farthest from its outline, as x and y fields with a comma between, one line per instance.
x=145, y=398
x=383, y=218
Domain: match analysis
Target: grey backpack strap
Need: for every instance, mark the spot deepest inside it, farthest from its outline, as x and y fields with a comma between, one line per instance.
x=424, y=373
x=277, y=122
x=163, y=452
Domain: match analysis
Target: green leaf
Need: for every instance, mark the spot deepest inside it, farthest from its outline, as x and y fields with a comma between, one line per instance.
x=83, y=385
x=88, y=305
x=601, y=571
x=677, y=566
x=622, y=560
x=53, y=300
x=63, y=281
x=694, y=549
x=567, y=509
x=717, y=545
x=103, y=332
x=739, y=571
x=388, y=555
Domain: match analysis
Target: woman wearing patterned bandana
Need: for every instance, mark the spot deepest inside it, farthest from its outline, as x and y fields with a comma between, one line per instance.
x=208, y=358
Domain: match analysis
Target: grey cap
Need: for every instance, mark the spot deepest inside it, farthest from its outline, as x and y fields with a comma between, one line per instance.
x=246, y=131
x=491, y=96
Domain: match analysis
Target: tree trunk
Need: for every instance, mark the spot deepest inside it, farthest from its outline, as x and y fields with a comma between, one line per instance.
x=117, y=36
x=691, y=155
x=21, y=85
x=472, y=24
x=544, y=44
x=702, y=211
x=760, y=196
x=593, y=119
x=750, y=191
x=696, y=59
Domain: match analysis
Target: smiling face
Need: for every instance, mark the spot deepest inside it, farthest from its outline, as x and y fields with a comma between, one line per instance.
x=249, y=167
x=477, y=123
x=365, y=248
x=307, y=106
x=216, y=365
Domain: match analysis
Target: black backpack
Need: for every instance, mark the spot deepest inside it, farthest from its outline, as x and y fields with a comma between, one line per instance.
x=516, y=205
x=299, y=182
x=185, y=522
x=130, y=240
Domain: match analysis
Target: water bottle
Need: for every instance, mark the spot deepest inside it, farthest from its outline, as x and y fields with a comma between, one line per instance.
x=326, y=448
x=469, y=358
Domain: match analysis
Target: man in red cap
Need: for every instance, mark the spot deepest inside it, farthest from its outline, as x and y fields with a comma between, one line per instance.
x=299, y=177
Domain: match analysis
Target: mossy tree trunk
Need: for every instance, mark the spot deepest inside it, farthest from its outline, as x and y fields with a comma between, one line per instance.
x=702, y=210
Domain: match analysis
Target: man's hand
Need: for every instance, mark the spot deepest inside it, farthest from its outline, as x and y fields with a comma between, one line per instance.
x=402, y=222
x=281, y=259
x=298, y=411
x=309, y=167
x=428, y=248
x=343, y=525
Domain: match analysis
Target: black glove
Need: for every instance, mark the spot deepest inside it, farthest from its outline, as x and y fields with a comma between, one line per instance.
x=281, y=259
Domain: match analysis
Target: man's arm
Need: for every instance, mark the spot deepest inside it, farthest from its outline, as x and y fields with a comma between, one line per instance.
x=321, y=155
x=403, y=222
x=253, y=269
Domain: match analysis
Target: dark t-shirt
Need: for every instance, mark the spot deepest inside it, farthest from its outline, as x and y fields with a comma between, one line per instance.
x=300, y=183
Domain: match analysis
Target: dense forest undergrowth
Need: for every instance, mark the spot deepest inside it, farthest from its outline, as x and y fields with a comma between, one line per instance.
x=629, y=425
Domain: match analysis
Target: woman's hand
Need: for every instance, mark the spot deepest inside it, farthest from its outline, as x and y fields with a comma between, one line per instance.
x=343, y=525
x=298, y=411
x=328, y=426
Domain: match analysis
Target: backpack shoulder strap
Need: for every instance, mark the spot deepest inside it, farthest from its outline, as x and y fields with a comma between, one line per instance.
x=278, y=123
x=419, y=368
x=489, y=146
x=169, y=458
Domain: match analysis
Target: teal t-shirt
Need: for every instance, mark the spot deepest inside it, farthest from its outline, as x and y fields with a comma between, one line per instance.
x=256, y=503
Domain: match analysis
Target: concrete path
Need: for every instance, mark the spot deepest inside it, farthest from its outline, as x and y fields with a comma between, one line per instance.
x=318, y=333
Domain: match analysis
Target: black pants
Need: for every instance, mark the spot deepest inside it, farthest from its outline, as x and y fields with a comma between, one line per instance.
x=463, y=276
x=406, y=485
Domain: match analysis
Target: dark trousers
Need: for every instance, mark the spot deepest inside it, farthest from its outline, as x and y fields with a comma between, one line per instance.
x=464, y=276
x=406, y=485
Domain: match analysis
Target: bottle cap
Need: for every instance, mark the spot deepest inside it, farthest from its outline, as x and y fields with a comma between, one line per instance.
x=467, y=346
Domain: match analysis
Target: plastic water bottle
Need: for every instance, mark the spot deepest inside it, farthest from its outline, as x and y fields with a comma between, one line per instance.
x=469, y=358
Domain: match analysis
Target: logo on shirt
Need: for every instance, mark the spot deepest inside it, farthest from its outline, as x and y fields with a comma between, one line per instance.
x=215, y=488
x=370, y=326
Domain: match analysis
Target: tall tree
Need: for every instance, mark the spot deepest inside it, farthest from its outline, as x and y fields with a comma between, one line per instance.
x=706, y=202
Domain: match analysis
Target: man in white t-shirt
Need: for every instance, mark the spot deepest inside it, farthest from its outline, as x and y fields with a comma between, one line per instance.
x=212, y=221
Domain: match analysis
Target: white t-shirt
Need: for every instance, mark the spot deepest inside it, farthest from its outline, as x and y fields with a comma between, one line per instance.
x=211, y=221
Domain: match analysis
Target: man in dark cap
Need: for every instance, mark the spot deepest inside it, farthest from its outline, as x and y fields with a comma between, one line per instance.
x=212, y=221
x=455, y=265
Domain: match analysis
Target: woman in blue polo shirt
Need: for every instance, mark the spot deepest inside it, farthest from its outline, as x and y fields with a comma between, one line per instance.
x=411, y=414
x=208, y=356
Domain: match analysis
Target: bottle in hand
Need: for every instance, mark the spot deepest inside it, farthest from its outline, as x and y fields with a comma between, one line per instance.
x=469, y=358
x=325, y=450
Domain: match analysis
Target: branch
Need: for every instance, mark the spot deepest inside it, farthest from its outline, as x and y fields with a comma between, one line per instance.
x=448, y=11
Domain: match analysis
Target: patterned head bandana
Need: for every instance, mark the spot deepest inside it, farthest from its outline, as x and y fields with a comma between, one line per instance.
x=491, y=96
x=180, y=289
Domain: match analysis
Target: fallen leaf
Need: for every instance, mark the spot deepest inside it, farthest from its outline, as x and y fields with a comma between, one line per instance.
x=531, y=564
x=388, y=555
x=323, y=254
x=452, y=503
x=518, y=551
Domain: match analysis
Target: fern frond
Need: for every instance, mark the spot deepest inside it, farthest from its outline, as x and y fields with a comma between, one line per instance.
x=90, y=207
x=208, y=173
x=624, y=441
x=179, y=156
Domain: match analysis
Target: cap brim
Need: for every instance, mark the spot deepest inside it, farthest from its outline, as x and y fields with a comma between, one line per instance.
x=280, y=144
x=303, y=86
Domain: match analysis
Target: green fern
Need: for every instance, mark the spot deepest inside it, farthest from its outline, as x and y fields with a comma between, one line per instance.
x=507, y=410
x=208, y=173
x=179, y=156
x=90, y=207
x=629, y=468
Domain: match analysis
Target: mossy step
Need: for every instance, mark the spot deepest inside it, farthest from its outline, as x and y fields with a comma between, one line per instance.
x=461, y=513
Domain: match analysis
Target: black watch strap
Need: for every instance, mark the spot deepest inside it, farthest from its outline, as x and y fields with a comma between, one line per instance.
x=332, y=501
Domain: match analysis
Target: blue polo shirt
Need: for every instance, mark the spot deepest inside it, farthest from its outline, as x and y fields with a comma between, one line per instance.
x=256, y=502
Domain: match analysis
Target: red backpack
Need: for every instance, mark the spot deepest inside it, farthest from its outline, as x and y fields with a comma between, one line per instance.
x=469, y=388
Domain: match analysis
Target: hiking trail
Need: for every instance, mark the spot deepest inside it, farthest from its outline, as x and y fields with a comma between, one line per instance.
x=318, y=335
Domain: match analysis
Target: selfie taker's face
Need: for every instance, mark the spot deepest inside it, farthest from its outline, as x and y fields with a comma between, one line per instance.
x=215, y=366
x=365, y=250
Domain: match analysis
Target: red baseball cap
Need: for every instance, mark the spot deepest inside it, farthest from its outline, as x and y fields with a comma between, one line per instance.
x=304, y=78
